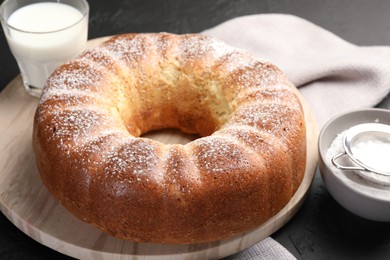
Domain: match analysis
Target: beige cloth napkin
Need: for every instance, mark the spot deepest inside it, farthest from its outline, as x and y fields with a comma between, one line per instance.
x=333, y=75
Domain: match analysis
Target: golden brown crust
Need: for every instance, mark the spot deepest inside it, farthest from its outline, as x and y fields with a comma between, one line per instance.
x=245, y=168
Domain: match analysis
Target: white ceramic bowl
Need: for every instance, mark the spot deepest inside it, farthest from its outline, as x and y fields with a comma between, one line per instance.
x=364, y=198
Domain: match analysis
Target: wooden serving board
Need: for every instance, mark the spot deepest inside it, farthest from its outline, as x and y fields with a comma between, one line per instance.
x=27, y=203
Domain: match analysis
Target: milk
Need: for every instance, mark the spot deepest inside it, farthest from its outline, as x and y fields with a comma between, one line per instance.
x=44, y=35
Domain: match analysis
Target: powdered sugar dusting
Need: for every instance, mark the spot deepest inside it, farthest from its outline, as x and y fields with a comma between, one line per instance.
x=261, y=117
x=260, y=74
x=256, y=139
x=237, y=60
x=205, y=46
x=255, y=74
x=66, y=96
x=67, y=127
x=95, y=149
x=218, y=155
x=175, y=161
x=271, y=117
x=101, y=57
x=137, y=156
x=202, y=50
x=128, y=49
x=78, y=75
x=246, y=134
x=180, y=173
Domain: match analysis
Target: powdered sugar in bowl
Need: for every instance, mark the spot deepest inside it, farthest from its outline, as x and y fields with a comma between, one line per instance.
x=368, y=147
x=354, y=161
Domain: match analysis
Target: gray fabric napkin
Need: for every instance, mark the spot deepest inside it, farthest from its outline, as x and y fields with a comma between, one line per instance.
x=333, y=75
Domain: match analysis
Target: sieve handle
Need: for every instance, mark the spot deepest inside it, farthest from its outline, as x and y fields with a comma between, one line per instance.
x=346, y=168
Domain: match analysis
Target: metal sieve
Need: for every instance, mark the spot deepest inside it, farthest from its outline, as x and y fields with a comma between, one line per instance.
x=361, y=133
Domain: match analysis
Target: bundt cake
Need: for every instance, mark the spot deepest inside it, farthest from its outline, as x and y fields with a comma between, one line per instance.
x=245, y=166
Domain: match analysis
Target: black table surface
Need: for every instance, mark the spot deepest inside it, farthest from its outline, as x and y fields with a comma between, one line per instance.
x=322, y=229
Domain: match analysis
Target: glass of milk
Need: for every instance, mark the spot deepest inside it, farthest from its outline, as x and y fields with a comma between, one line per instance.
x=42, y=35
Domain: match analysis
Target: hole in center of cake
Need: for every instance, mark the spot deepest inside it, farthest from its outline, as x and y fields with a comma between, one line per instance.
x=170, y=136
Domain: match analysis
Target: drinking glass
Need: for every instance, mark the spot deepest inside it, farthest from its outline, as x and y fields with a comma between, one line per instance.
x=42, y=35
